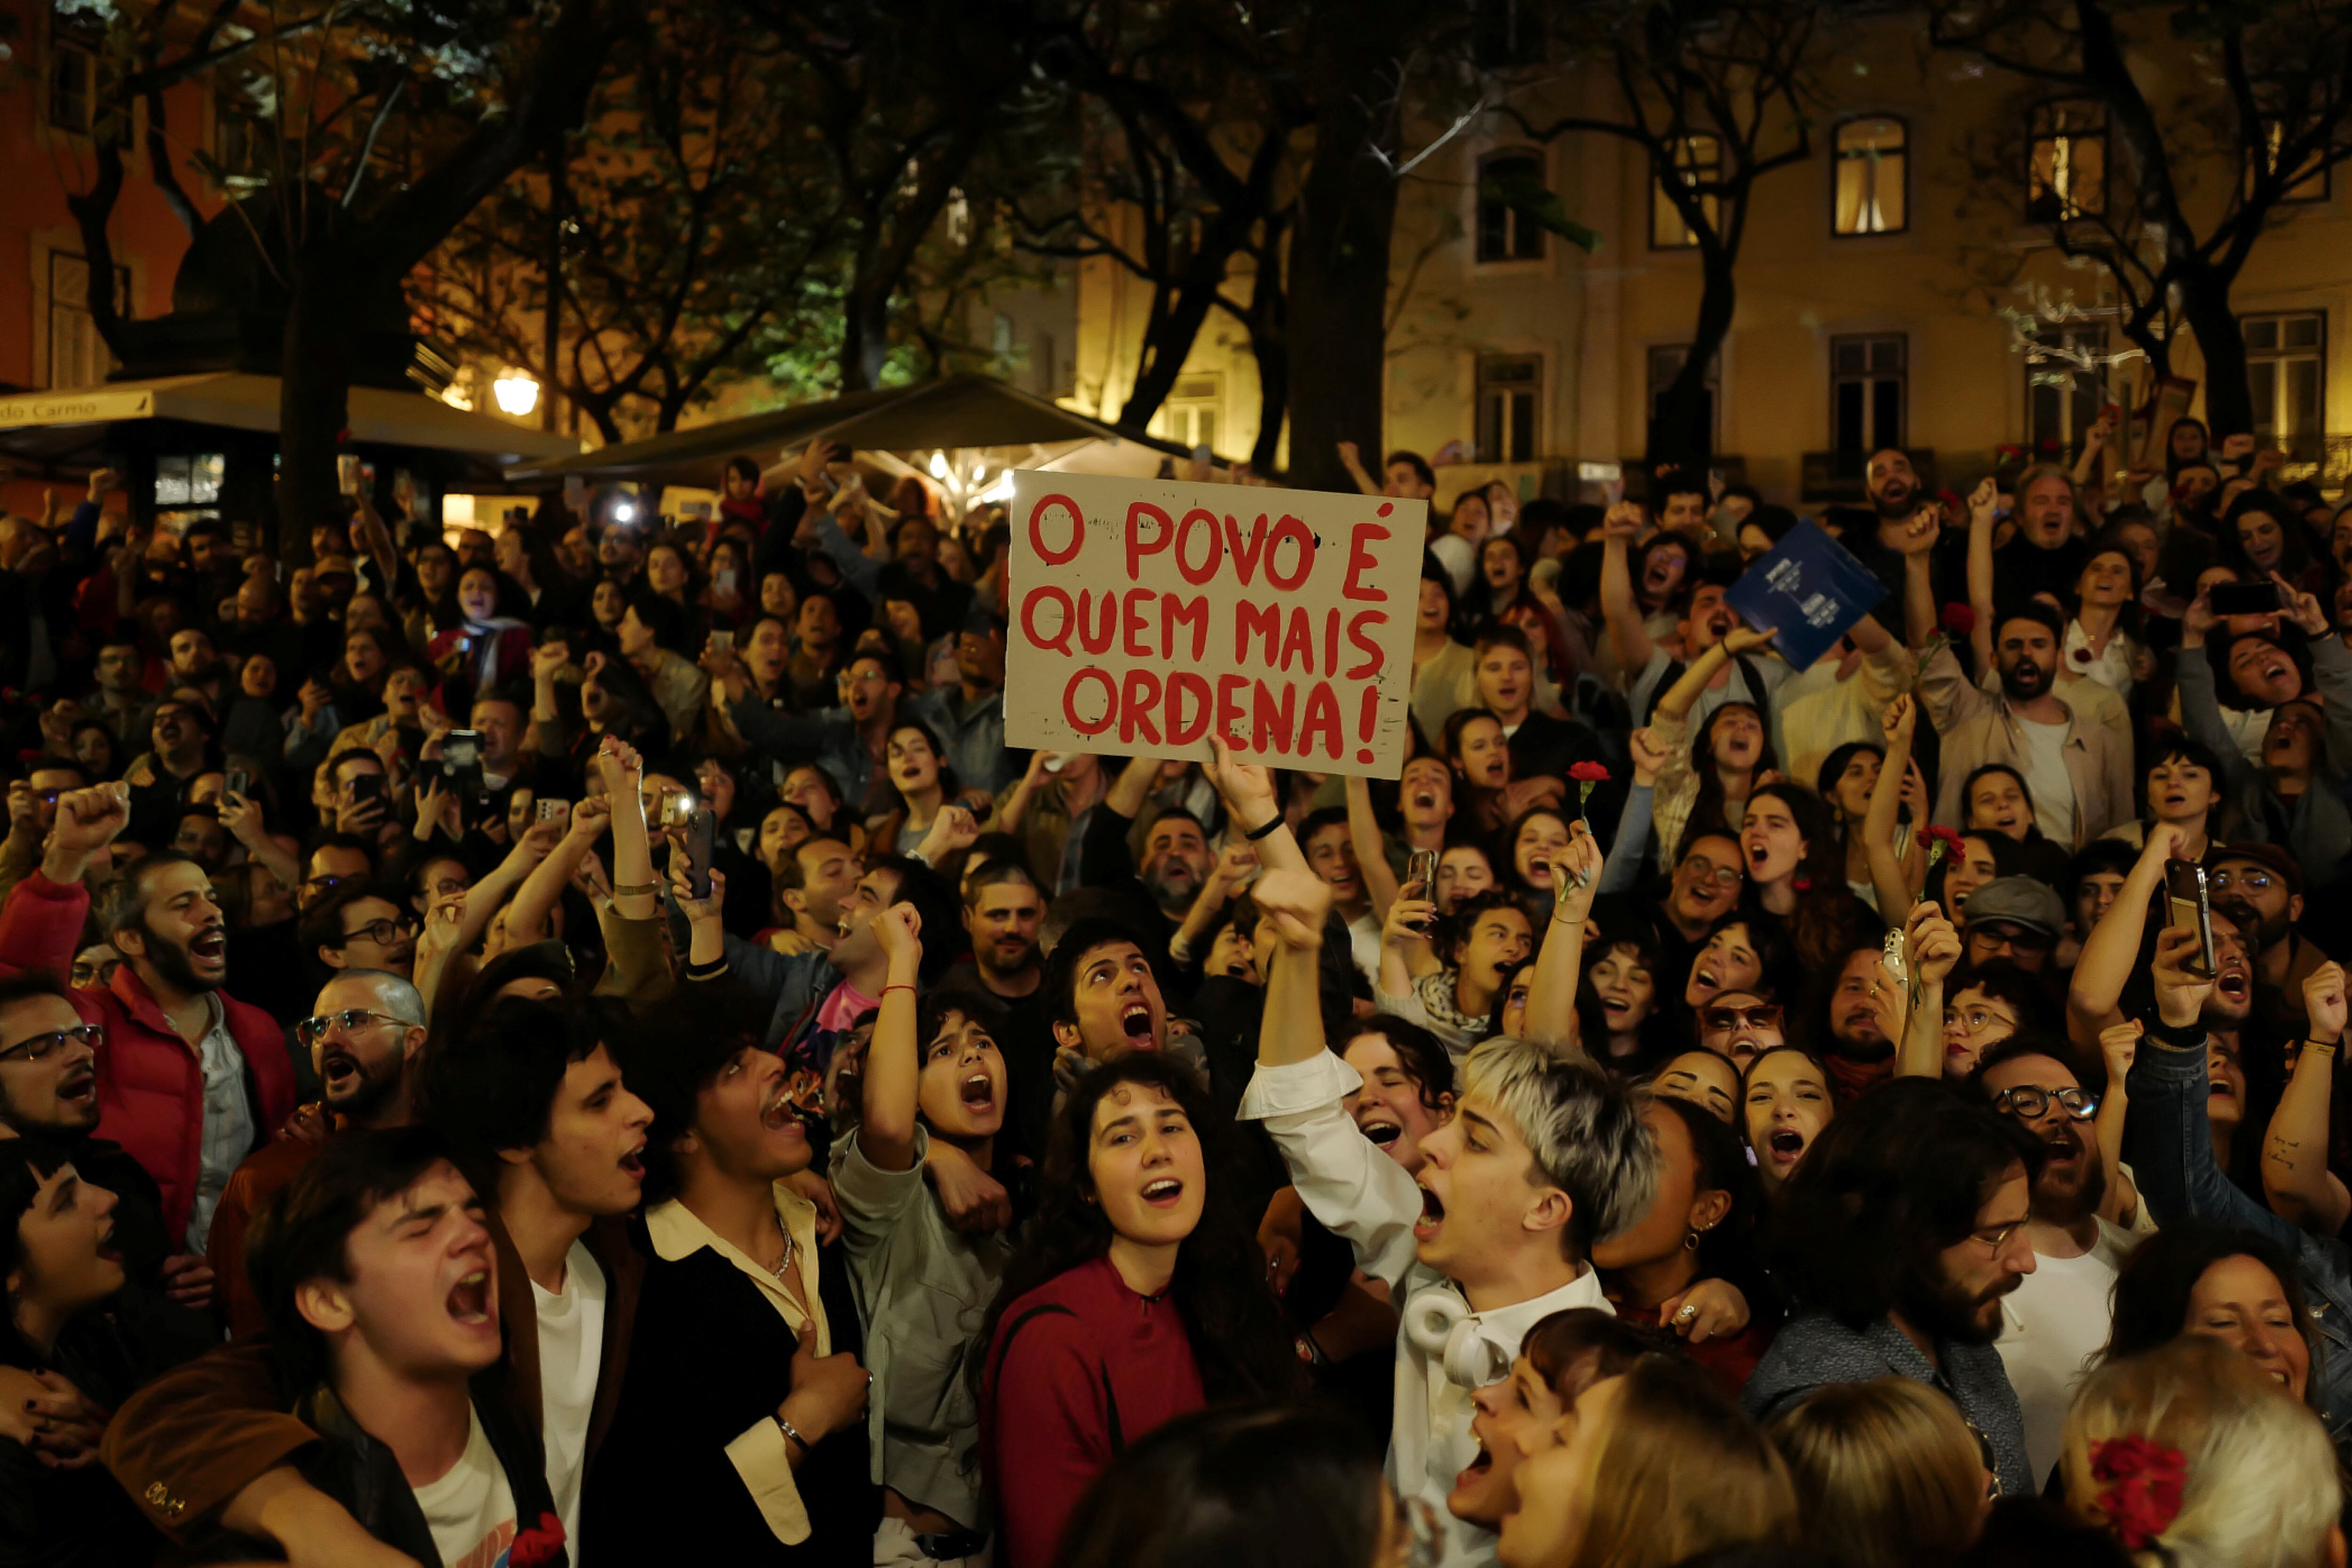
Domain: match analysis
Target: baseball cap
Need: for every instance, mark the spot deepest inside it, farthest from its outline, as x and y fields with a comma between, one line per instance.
x=2018, y=901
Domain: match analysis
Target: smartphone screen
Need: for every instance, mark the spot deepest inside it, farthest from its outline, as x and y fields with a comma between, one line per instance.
x=723, y=639
x=2245, y=598
x=367, y=787
x=2184, y=886
x=462, y=748
x=239, y=783
x=1421, y=867
x=701, y=825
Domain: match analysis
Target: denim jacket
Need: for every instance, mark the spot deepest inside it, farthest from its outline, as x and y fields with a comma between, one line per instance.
x=828, y=737
x=2178, y=1178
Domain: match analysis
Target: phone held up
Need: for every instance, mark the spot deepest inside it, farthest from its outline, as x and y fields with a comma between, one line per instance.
x=2245, y=598
x=2192, y=909
x=702, y=827
x=1421, y=867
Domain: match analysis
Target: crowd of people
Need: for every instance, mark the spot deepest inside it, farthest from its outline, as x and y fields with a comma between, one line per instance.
x=580, y=1042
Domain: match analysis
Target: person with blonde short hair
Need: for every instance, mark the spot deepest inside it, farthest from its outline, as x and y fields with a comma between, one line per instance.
x=1887, y=1473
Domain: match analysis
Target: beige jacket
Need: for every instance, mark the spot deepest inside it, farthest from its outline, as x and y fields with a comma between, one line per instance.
x=1979, y=727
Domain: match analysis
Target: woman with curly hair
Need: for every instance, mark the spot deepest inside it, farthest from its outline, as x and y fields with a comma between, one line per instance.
x=1138, y=1296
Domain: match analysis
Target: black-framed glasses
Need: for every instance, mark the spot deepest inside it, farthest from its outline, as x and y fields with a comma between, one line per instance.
x=41, y=1047
x=2253, y=881
x=1763, y=1015
x=382, y=932
x=2032, y=1103
x=311, y=1031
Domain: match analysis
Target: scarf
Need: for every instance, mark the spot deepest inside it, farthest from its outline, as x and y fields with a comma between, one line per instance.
x=1448, y=1022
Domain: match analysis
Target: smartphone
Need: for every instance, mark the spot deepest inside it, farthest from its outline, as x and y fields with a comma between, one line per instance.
x=366, y=787
x=701, y=825
x=238, y=783
x=676, y=808
x=2184, y=887
x=461, y=749
x=347, y=474
x=723, y=639
x=558, y=811
x=1420, y=865
x=2245, y=598
x=723, y=580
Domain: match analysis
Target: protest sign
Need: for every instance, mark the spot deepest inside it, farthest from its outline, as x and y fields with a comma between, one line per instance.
x=1148, y=614
x=1808, y=589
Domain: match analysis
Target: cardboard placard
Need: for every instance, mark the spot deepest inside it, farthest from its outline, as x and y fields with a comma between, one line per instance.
x=1145, y=612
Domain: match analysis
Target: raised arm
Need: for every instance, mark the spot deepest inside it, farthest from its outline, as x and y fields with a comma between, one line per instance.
x=2200, y=704
x=1888, y=874
x=543, y=889
x=1678, y=698
x=1982, y=502
x=2119, y=1043
x=1931, y=947
x=1634, y=822
x=1405, y=929
x=1371, y=848
x=1551, y=991
x=2296, y=1181
x=636, y=895
x=2112, y=949
x=1297, y=902
x=1618, y=606
x=885, y=1123
x=1919, y=607
x=1247, y=791
x=1353, y=462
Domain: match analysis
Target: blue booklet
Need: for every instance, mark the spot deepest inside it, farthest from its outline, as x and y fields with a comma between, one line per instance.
x=1808, y=589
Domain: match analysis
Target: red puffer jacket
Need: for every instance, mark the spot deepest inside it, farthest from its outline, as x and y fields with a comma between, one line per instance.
x=151, y=1082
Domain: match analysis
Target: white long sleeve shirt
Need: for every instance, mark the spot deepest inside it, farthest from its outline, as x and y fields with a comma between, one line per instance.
x=1348, y=1182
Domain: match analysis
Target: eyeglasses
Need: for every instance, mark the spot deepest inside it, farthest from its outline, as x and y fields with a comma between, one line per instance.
x=1986, y=1457
x=1994, y=1240
x=41, y=1047
x=382, y=932
x=311, y=1031
x=1761, y=1016
x=2031, y=1103
x=2013, y=937
x=1721, y=876
x=1977, y=1020
x=2252, y=881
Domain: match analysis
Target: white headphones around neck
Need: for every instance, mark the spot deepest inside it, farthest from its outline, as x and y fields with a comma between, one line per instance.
x=1438, y=1323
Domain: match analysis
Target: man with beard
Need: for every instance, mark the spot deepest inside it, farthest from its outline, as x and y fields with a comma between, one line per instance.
x=968, y=717
x=1900, y=1233
x=2260, y=887
x=2014, y=918
x=2078, y=772
x=1710, y=871
x=1854, y=1042
x=2056, y=1320
x=847, y=741
x=1154, y=896
x=1908, y=524
x=365, y=1042
x=812, y=879
x=192, y=1080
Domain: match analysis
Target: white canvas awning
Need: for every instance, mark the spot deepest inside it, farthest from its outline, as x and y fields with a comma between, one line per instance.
x=43, y=424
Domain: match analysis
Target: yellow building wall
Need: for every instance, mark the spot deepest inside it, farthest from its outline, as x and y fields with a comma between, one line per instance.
x=1593, y=320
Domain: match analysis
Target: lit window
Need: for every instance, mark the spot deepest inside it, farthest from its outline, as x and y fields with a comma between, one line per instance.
x=1871, y=173
x=2286, y=356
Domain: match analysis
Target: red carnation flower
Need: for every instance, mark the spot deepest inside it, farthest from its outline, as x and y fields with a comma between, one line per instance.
x=1587, y=772
x=1958, y=620
x=2141, y=1485
x=2082, y=656
x=537, y=1547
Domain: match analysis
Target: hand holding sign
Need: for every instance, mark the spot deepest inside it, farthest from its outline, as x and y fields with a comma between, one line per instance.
x=1150, y=615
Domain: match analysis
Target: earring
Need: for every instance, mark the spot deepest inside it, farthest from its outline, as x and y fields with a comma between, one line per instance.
x=1690, y=1239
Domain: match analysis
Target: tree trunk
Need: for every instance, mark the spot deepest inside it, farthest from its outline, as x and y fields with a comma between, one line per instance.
x=2205, y=307
x=313, y=404
x=1681, y=433
x=865, y=337
x=1167, y=343
x=1269, y=331
x=1338, y=283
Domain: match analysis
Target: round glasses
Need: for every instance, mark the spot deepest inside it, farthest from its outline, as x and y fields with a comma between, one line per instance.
x=2030, y=1104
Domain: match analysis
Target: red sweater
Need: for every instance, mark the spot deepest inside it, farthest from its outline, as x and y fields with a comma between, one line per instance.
x=1080, y=1367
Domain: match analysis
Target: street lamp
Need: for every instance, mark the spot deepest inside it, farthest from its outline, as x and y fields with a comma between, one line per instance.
x=517, y=394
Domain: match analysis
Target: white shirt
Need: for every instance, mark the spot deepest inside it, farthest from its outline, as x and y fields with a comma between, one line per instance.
x=471, y=1511
x=2111, y=668
x=571, y=1352
x=227, y=1136
x=1364, y=945
x=2047, y=780
x=2051, y=1326
x=1347, y=1181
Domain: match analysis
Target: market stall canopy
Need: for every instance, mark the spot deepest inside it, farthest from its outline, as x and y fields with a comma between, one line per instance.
x=960, y=412
x=70, y=426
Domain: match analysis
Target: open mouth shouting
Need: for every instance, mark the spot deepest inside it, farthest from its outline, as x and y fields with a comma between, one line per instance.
x=977, y=1092
x=1719, y=624
x=1381, y=1127
x=1135, y=1022
x=468, y=1302
x=209, y=947
x=1784, y=1148
x=1163, y=1192
x=341, y=1069
x=633, y=1163
x=1424, y=798
x=1706, y=982
x=1432, y=1216
x=779, y=1114
x=2232, y=984
x=78, y=1085
x=106, y=1249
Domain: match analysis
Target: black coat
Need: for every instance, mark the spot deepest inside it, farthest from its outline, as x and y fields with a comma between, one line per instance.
x=709, y=1357
x=363, y=1474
